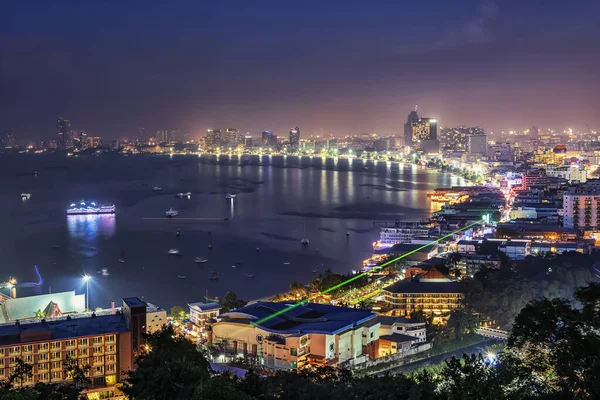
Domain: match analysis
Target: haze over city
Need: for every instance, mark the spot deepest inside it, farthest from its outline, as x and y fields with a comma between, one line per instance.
x=329, y=67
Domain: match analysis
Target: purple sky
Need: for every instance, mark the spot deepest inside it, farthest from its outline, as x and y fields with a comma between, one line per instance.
x=338, y=66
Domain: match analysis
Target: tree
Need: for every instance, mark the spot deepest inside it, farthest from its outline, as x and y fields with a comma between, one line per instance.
x=171, y=369
x=178, y=312
x=40, y=314
x=76, y=372
x=460, y=324
x=231, y=302
x=20, y=372
x=470, y=377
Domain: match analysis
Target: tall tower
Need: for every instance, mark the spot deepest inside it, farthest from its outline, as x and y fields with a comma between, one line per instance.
x=408, y=127
x=295, y=138
x=63, y=126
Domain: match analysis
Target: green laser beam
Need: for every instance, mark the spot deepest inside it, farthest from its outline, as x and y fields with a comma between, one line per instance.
x=358, y=276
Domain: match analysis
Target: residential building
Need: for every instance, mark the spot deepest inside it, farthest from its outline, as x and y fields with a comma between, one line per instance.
x=408, y=130
x=477, y=144
x=202, y=313
x=213, y=138
x=156, y=318
x=233, y=137
x=432, y=296
x=104, y=340
x=310, y=334
x=294, y=138
x=402, y=232
x=500, y=152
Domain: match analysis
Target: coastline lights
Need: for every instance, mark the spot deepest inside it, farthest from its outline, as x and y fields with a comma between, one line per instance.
x=358, y=276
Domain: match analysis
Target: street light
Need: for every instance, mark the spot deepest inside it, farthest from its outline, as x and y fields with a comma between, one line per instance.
x=86, y=279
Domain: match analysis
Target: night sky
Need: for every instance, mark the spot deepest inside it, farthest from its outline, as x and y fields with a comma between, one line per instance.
x=338, y=66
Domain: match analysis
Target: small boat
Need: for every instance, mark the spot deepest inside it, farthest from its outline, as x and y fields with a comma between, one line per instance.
x=347, y=233
x=200, y=260
x=181, y=276
x=304, y=241
x=121, y=260
x=258, y=249
x=25, y=196
x=171, y=213
x=214, y=276
x=315, y=270
x=105, y=272
x=249, y=275
x=230, y=195
x=286, y=263
x=173, y=252
x=156, y=189
x=177, y=233
x=181, y=195
x=234, y=266
x=210, y=246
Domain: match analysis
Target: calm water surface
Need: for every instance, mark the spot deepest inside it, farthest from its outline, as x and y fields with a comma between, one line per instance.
x=273, y=209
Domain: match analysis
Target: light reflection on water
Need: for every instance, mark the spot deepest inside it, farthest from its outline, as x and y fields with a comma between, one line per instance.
x=91, y=226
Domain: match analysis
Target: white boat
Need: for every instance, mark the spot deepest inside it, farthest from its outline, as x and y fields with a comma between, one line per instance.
x=90, y=208
x=156, y=189
x=187, y=194
x=181, y=276
x=230, y=196
x=304, y=239
x=234, y=266
x=173, y=252
x=286, y=263
x=171, y=213
x=121, y=260
x=25, y=196
x=258, y=249
x=200, y=260
x=249, y=275
x=347, y=233
x=105, y=272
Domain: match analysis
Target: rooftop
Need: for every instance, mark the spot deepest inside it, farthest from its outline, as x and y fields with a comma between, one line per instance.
x=134, y=302
x=302, y=319
x=425, y=286
x=205, y=306
x=66, y=328
x=389, y=321
x=26, y=307
x=398, y=338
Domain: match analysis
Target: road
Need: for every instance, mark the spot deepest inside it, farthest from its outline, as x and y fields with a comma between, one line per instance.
x=475, y=348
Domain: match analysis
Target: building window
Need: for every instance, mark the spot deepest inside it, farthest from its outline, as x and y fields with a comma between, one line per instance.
x=55, y=355
x=43, y=367
x=43, y=357
x=43, y=347
x=110, y=358
x=294, y=351
x=259, y=338
x=98, y=360
x=70, y=343
x=98, y=370
x=83, y=342
x=71, y=353
x=98, y=350
x=1, y=352
x=110, y=339
x=14, y=350
x=44, y=377
x=57, y=365
x=57, y=375
x=55, y=345
x=111, y=368
x=83, y=352
x=98, y=340
x=110, y=348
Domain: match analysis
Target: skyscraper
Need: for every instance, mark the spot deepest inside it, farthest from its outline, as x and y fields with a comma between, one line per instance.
x=233, y=137
x=266, y=138
x=534, y=132
x=294, y=138
x=63, y=126
x=408, y=130
x=213, y=138
x=478, y=144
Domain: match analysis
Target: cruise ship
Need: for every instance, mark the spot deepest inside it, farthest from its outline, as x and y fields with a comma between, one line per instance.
x=84, y=207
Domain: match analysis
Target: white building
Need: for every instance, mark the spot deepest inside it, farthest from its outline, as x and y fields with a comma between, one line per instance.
x=156, y=318
x=581, y=210
x=523, y=212
x=571, y=173
x=478, y=144
x=402, y=233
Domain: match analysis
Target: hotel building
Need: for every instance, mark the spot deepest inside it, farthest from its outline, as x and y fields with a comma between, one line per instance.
x=433, y=296
x=105, y=341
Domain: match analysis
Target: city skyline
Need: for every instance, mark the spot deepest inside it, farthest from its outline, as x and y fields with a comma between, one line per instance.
x=341, y=70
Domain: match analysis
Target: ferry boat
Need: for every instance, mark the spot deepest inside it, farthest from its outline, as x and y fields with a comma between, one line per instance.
x=171, y=213
x=200, y=260
x=25, y=196
x=230, y=196
x=181, y=195
x=84, y=207
x=173, y=252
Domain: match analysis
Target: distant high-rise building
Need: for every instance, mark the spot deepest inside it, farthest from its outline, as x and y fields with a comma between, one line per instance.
x=477, y=144
x=213, y=138
x=423, y=129
x=457, y=139
x=7, y=141
x=94, y=142
x=534, y=132
x=80, y=141
x=248, y=141
x=233, y=137
x=162, y=136
x=408, y=130
x=63, y=127
x=294, y=138
x=266, y=138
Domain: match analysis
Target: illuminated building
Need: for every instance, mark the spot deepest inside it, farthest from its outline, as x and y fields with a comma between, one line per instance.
x=423, y=129
x=294, y=138
x=202, y=313
x=162, y=136
x=408, y=130
x=63, y=126
x=233, y=137
x=156, y=318
x=581, y=208
x=213, y=138
x=401, y=233
x=457, y=139
x=94, y=142
x=500, y=152
x=247, y=141
x=104, y=340
x=311, y=334
x=432, y=296
x=267, y=138
x=571, y=173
